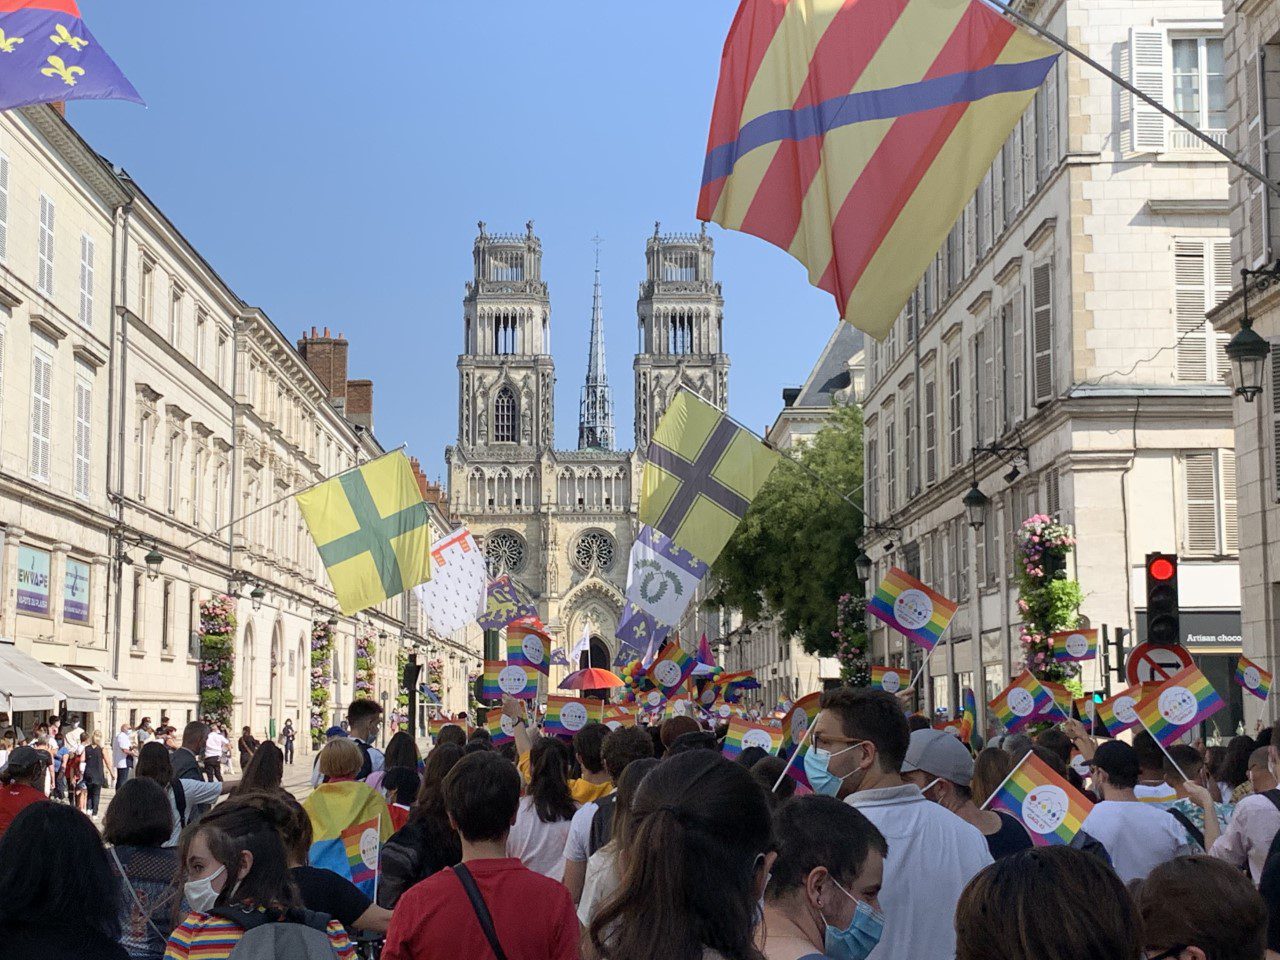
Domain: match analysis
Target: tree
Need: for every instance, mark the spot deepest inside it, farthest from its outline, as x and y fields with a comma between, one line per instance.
x=792, y=555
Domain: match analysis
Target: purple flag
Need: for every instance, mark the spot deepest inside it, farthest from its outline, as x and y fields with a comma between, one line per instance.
x=47, y=54
x=503, y=603
x=641, y=632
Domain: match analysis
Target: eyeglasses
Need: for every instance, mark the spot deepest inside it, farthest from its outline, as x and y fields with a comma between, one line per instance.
x=823, y=742
x=1167, y=954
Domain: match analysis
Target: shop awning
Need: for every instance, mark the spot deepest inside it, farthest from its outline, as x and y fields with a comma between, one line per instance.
x=19, y=691
x=98, y=678
x=62, y=685
x=89, y=697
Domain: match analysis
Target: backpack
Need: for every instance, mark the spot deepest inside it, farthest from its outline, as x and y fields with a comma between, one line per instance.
x=298, y=935
x=366, y=762
x=601, y=824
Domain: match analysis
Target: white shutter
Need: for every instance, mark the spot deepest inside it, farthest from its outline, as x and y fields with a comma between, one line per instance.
x=970, y=236
x=997, y=196
x=1013, y=173
x=41, y=419
x=1029, y=153
x=4, y=207
x=1042, y=333
x=989, y=429
x=84, y=436
x=1147, y=52
x=1275, y=417
x=1052, y=501
x=1230, y=517
x=1201, y=504
x=1018, y=362
x=44, y=280
x=86, y=281
x=1049, y=148
x=1257, y=204
x=984, y=215
x=1219, y=290
x=1189, y=309
x=930, y=432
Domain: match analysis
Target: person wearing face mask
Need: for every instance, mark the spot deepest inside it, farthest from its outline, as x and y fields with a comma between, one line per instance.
x=938, y=763
x=857, y=745
x=1255, y=822
x=822, y=899
x=364, y=719
x=237, y=886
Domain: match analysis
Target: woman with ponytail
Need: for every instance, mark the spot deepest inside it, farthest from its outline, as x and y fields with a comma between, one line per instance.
x=546, y=811
x=694, y=866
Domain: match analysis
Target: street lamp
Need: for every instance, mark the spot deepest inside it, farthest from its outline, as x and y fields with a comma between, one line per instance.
x=862, y=566
x=975, y=506
x=1247, y=351
x=153, y=559
x=256, y=595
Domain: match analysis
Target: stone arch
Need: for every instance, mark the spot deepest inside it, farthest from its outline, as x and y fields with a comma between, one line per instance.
x=247, y=666
x=596, y=605
x=277, y=667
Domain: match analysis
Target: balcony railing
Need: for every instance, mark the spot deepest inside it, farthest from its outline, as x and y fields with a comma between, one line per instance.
x=1180, y=139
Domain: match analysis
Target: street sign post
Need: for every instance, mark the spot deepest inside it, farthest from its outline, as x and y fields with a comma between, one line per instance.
x=1155, y=663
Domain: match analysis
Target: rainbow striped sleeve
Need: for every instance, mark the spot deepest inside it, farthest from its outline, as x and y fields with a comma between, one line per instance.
x=202, y=937
x=340, y=942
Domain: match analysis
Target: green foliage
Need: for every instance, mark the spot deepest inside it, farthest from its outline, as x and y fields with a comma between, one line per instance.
x=793, y=553
x=217, y=657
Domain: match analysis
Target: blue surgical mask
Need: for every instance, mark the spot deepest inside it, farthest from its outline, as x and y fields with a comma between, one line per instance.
x=822, y=780
x=857, y=940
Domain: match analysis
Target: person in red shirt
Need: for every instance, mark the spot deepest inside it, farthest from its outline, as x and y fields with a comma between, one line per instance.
x=20, y=781
x=437, y=917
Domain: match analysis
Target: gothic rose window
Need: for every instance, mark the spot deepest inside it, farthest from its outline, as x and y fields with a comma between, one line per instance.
x=504, y=552
x=505, y=416
x=594, y=549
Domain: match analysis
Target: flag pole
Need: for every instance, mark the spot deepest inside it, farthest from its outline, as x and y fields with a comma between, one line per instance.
x=1149, y=101
x=1006, y=779
x=1163, y=748
x=290, y=495
x=794, y=753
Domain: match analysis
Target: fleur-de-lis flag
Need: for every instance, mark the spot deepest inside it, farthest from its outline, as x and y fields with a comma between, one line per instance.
x=47, y=54
x=372, y=529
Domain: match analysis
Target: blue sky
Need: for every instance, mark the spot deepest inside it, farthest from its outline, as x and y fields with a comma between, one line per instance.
x=332, y=159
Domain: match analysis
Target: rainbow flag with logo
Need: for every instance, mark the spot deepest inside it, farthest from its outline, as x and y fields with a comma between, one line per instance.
x=1048, y=806
x=517, y=680
x=671, y=668
x=1085, y=709
x=1061, y=696
x=960, y=728
x=851, y=135
x=795, y=725
x=501, y=728
x=744, y=733
x=565, y=716
x=1023, y=702
x=528, y=643
x=1074, y=645
x=1253, y=678
x=911, y=608
x=889, y=679
x=349, y=823
x=1118, y=713
x=617, y=718
x=1177, y=705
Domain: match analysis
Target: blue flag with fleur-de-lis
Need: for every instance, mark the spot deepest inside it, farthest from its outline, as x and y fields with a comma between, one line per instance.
x=47, y=54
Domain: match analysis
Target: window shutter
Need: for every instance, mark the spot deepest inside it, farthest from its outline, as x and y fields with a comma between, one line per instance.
x=1018, y=362
x=1052, y=503
x=1219, y=291
x=984, y=215
x=45, y=277
x=86, y=281
x=930, y=432
x=1201, y=505
x=41, y=390
x=910, y=451
x=84, y=435
x=997, y=196
x=4, y=207
x=1230, y=518
x=1049, y=149
x=1147, y=128
x=1028, y=154
x=1189, y=309
x=970, y=237
x=989, y=408
x=1257, y=203
x=980, y=554
x=1042, y=332
x=975, y=388
x=1275, y=416
x=1013, y=173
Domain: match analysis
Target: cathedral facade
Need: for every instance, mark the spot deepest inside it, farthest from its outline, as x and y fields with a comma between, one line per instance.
x=561, y=521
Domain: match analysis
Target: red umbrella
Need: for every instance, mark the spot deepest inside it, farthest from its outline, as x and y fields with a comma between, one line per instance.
x=592, y=678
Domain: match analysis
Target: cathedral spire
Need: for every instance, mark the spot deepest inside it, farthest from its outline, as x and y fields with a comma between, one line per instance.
x=595, y=416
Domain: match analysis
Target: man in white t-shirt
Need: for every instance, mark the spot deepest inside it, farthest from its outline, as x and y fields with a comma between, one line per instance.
x=213, y=748
x=1138, y=836
x=124, y=752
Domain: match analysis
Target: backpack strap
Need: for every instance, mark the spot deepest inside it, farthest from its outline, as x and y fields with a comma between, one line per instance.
x=1196, y=833
x=1274, y=796
x=180, y=801
x=366, y=762
x=124, y=878
x=482, y=911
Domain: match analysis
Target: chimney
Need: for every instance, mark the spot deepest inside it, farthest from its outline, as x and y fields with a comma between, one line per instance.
x=416, y=466
x=359, y=407
x=327, y=357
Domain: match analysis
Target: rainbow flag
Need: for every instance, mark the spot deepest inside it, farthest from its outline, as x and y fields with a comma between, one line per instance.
x=1023, y=702
x=651, y=700
x=911, y=608
x=680, y=705
x=1074, y=645
x=743, y=734
x=528, y=643
x=969, y=711
x=514, y=679
x=889, y=679
x=961, y=728
x=1253, y=678
x=565, y=716
x=617, y=718
x=501, y=728
x=672, y=667
x=852, y=134
x=1085, y=709
x=794, y=727
x=1061, y=697
x=349, y=823
x=1177, y=705
x=1118, y=713
x=1048, y=806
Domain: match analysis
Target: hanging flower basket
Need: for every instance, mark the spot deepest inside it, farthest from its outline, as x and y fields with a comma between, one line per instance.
x=217, y=657
x=851, y=640
x=1047, y=598
x=321, y=678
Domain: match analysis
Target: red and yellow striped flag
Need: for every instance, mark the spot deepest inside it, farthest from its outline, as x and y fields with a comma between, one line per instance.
x=851, y=133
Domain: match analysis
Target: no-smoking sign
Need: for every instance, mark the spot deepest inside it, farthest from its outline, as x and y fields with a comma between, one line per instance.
x=1149, y=663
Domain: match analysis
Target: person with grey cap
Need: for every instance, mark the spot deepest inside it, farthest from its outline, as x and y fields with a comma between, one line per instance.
x=1138, y=836
x=942, y=767
x=20, y=782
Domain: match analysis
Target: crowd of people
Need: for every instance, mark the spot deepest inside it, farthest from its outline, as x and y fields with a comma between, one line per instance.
x=646, y=842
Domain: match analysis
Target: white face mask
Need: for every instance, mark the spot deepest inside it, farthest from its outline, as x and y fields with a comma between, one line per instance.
x=200, y=893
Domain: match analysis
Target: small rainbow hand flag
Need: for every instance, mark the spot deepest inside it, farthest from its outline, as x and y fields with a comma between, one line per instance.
x=911, y=608
x=501, y=728
x=743, y=734
x=651, y=700
x=961, y=728
x=1178, y=704
x=1048, y=806
x=1023, y=702
x=1085, y=709
x=567, y=715
x=617, y=718
x=889, y=679
x=1119, y=713
x=680, y=705
x=360, y=841
x=514, y=679
x=1253, y=678
x=794, y=727
x=672, y=667
x=1061, y=697
x=1074, y=645
x=528, y=643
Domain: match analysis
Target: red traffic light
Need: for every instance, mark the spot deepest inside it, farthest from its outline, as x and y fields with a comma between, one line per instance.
x=1160, y=569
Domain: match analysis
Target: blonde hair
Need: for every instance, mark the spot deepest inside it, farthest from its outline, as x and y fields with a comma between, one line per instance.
x=96, y=739
x=341, y=758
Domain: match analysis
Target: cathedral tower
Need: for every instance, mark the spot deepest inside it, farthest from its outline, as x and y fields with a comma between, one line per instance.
x=681, y=313
x=595, y=415
x=506, y=374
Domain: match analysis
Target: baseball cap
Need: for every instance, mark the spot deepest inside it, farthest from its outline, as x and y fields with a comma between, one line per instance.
x=1118, y=759
x=23, y=760
x=939, y=754
x=334, y=732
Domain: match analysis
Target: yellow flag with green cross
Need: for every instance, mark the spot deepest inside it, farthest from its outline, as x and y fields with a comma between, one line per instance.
x=701, y=473
x=372, y=529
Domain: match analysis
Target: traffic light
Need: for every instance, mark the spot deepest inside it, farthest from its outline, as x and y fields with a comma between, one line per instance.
x=1162, y=599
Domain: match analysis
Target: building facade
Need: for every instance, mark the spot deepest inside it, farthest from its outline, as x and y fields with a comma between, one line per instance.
x=1056, y=355
x=561, y=522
